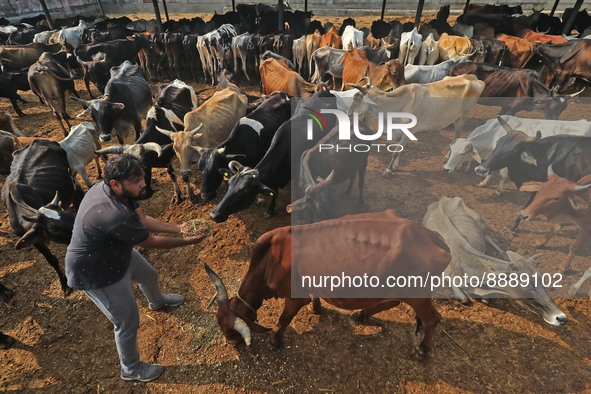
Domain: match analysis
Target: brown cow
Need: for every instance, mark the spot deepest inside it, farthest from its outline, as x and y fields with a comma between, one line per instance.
x=331, y=39
x=356, y=66
x=312, y=43
x=520, y=50
x=357, y=245
x=540, y=38
x=277, y=77
x=561, y=201
x=372, y=42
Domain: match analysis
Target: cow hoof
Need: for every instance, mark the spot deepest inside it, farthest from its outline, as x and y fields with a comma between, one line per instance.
x=67, y=291
x=418, y=354
x=496, y=195
x=268, y=215
x=359, y=316
x=387, y=174
x=6, y=341
x=176, y=200
x=275, y=343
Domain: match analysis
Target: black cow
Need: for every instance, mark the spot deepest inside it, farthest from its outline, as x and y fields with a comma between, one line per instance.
x=380, y=29
x=172, y=102
x=283, y=45
x=18, y=79
x=528, y=158
x=38, y=175
x=25, y=36
x=247, y=143
x=127, y=98
x=97, y=71
x=117, y=51
x=274, y=169
x=335, y=165
x=497, y=51
x=8, y=90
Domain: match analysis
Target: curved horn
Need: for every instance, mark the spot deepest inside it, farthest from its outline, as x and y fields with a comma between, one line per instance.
x=242, y=328
x=56, y=199
x=354, y=85
x=580, y=188
x=104, y=98
x=551, y=171
x=542, y=32
x=81, y=101
x=219, y=285
x=506, y=126
x=234, y=165
x=195, y=130
x=330, y=177
x=153, y=147
x=577, y=93
x=168, y=133
x=80, y=61
x=368, y=84
x=111, y=150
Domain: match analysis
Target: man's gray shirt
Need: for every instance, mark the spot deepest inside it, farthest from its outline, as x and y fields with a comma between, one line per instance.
x=105, y=231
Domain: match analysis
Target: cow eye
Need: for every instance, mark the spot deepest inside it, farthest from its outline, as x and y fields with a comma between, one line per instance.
x=557, y=198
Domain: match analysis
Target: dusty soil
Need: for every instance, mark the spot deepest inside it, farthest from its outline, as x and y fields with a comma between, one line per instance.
x=66, y=344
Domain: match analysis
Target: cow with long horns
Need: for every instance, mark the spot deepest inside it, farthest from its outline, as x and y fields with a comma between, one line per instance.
x=407, y=247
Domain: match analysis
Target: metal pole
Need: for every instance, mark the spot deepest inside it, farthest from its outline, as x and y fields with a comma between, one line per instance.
x=419, y=13
x=157, y=14
x=165, y=10
x=305, y=5
x=554, y=7
x=383, y=9
x=466, y=7
x=47, y=16
x=280, y=14
x=233, y=5
x=101, y=7
x=571, y=19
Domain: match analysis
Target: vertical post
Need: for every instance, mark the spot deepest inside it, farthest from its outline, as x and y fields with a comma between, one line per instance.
x=554, y=7
x=465, y=10
x=419, y=13
x=571, y=19
x=383, y=9
x=165, y=10
x=280, y=14
x=47, y=16
x=157, y=14
x=101, y=7
x=305, y=5
x=233, y=5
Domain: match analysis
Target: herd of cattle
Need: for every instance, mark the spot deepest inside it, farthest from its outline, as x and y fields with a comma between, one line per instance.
x=260, y=144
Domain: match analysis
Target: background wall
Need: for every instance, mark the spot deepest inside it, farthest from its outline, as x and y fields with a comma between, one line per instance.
x=60, y=8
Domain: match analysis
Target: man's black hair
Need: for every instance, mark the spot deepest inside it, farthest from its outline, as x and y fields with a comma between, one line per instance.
x=123, y=167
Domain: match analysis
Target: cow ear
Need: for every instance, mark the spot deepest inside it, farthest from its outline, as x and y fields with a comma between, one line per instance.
x=85, y=113
x=267, y=191
x=530, y=186
x=30, y=237
x=476, y=156
x=32, y=219
x=197, y=149
x=528, y=159
x=578, y=203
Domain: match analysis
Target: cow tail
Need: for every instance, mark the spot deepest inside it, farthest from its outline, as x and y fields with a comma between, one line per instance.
x=316, y=72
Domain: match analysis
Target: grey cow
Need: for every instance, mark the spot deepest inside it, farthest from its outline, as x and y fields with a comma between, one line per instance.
x=464, y=231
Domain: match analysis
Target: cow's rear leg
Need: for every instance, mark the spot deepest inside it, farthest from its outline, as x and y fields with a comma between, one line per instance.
x=6, y=341
x=53, y=261
x=16, y=108
x=574, y=248
x=271, y=209
x=430, y=318
x=544, y=240
x=395, y=162
x=291, y=308
x=364, y=314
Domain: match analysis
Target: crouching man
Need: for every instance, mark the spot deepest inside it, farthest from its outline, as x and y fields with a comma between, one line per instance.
x=102, y=262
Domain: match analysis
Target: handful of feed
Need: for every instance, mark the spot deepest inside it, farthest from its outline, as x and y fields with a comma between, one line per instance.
x=196, y=227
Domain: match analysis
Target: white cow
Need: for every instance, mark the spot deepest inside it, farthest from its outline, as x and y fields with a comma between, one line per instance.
x=239, y=51
x=299, y=53
x=72, y=35
x=410, y=44
x=429, y=52
x=80, y=145
x=482, y=141
x=352, y=38
x=43, y=37
x=464, y=232
x=428, y=74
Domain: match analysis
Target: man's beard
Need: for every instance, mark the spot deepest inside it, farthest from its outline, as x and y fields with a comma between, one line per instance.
x=143, y=195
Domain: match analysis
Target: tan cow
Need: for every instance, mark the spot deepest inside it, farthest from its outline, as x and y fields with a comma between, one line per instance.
x=331, y=39
x=435, y=105
x=312, y=43
x=386, y=76
x=206, y=127
x=451, y=47
x=521, y=50
x=277, y=77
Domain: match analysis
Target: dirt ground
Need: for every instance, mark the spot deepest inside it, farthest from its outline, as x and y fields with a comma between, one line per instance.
x=66, y=344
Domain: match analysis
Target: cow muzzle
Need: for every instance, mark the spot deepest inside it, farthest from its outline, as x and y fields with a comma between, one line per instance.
x=482, y=171
x=185, y=174
x=208, y=196
x=105, y=137
x=524, y=216
x=217, y=217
